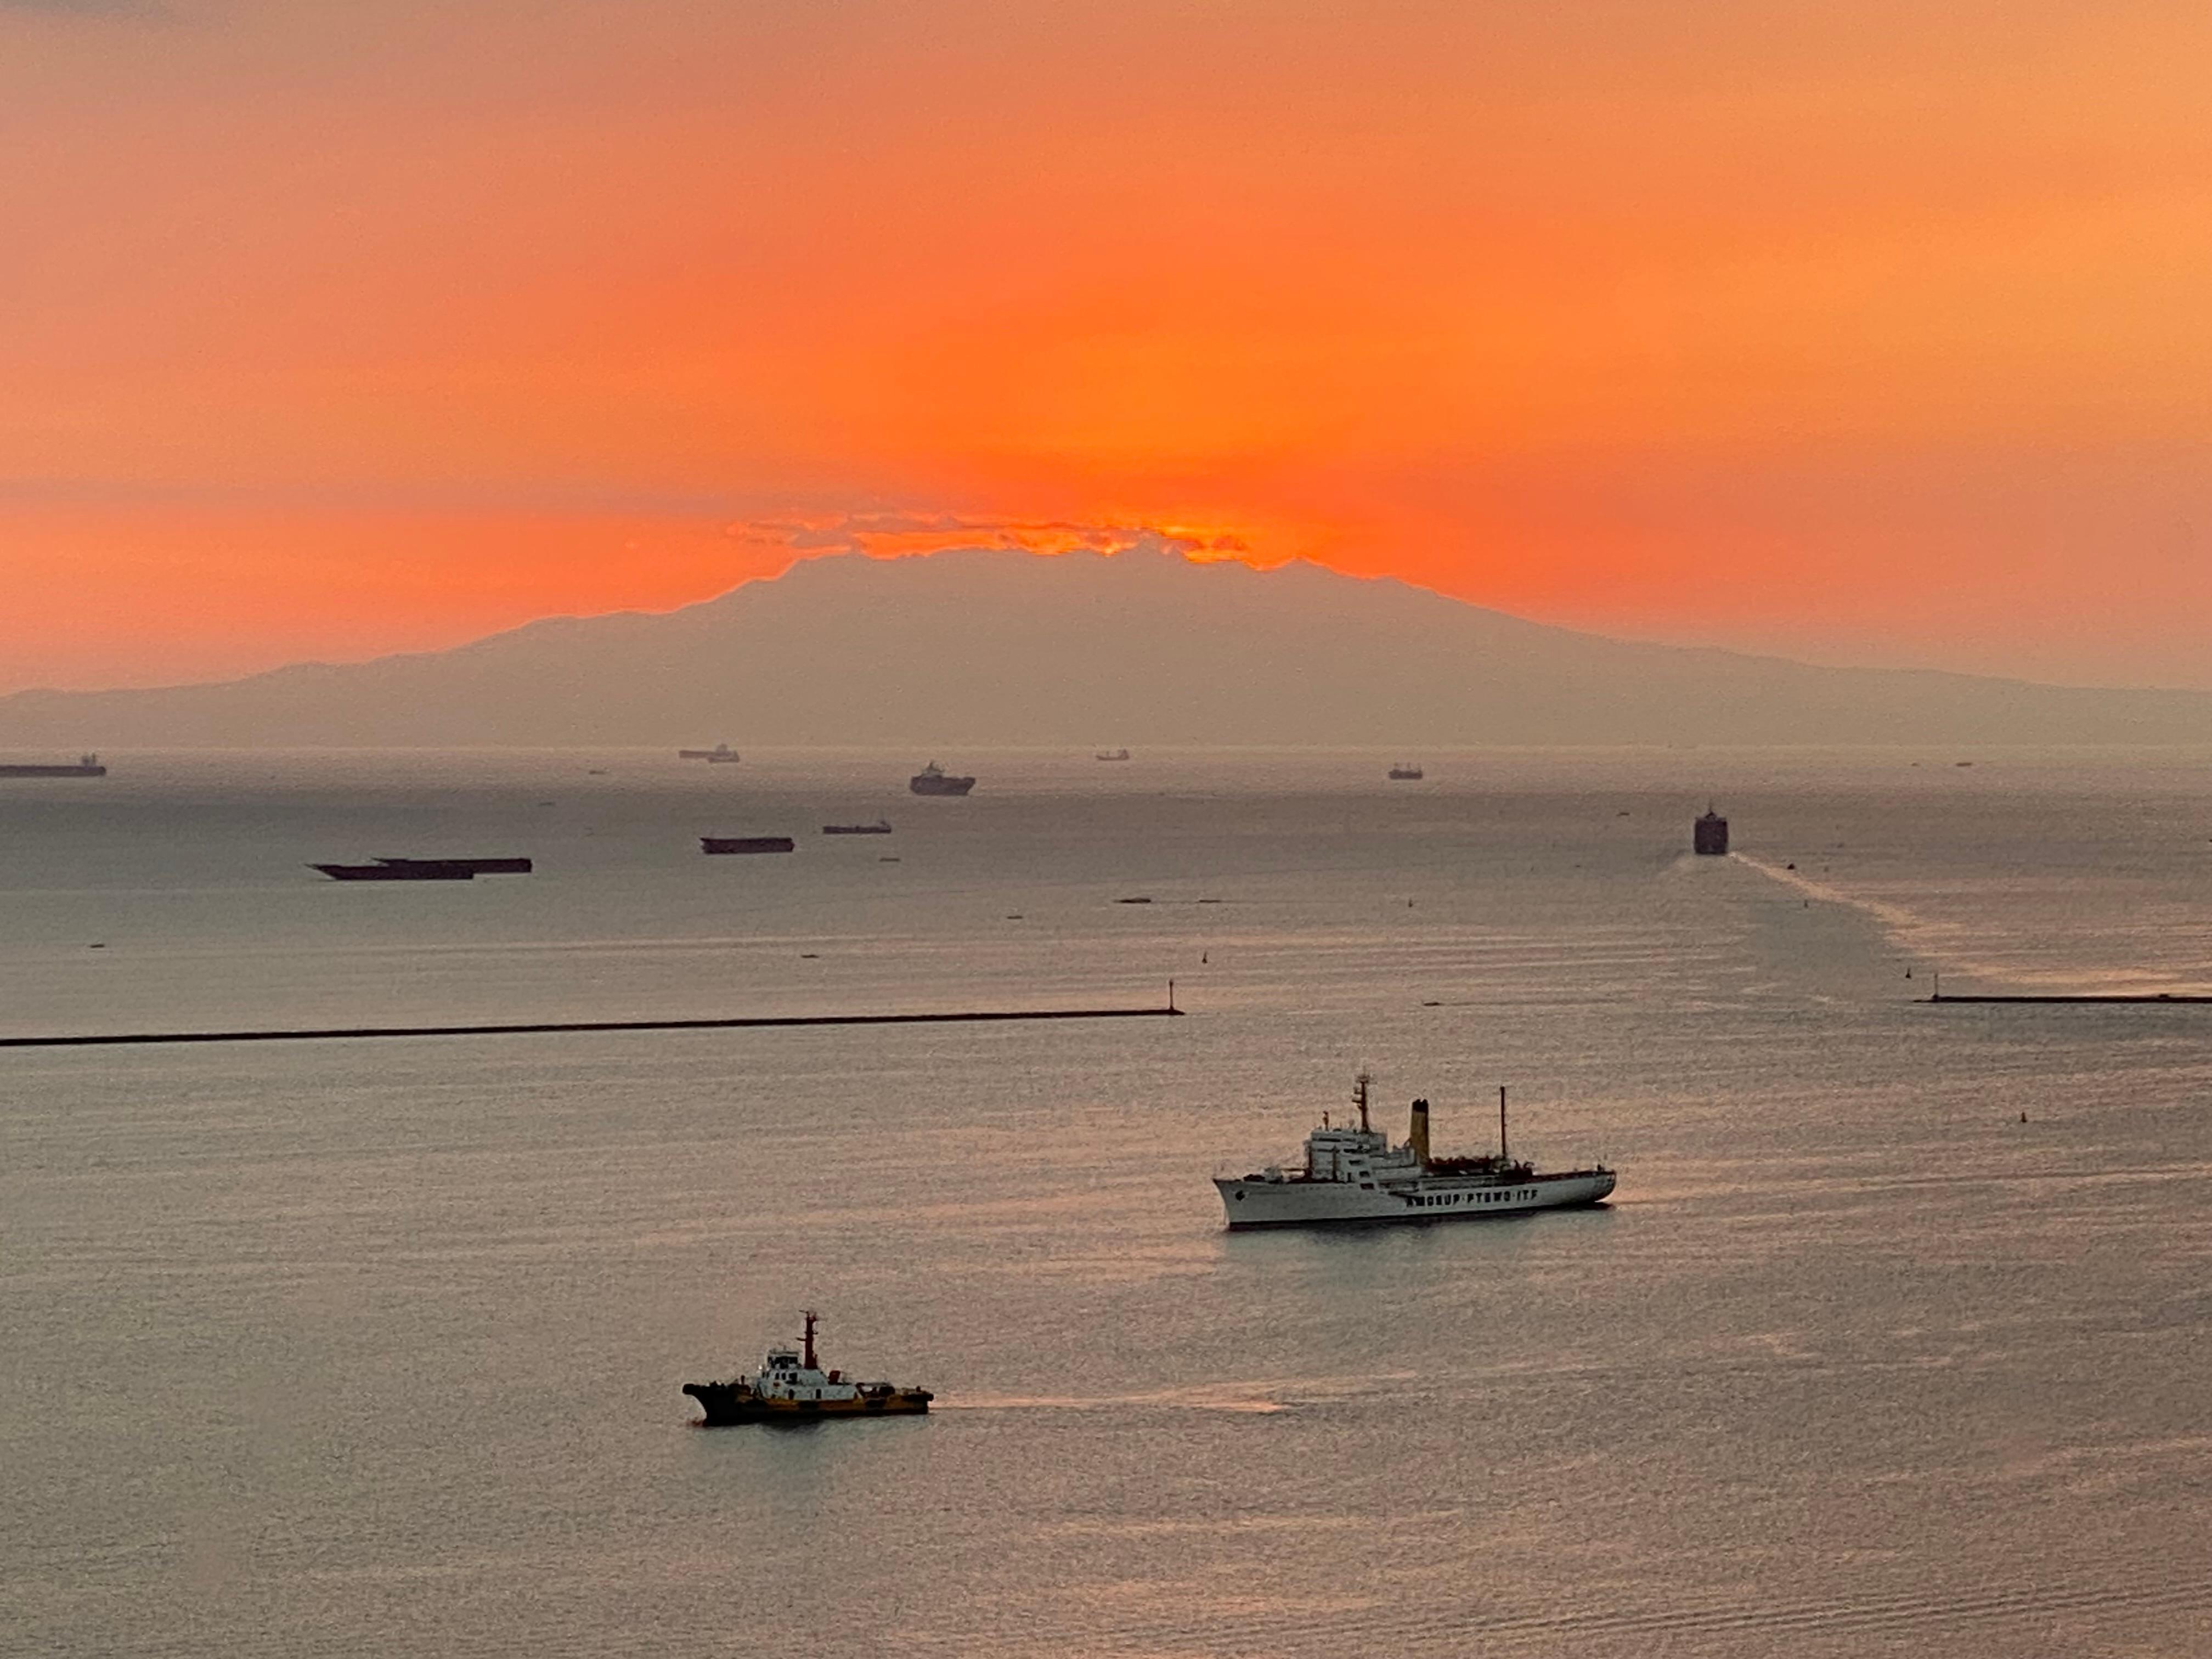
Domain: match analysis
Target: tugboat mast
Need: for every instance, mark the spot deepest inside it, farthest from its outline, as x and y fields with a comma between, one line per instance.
x=810, y=1316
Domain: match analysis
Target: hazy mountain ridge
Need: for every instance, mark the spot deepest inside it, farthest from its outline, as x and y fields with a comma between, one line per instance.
x=984, y=647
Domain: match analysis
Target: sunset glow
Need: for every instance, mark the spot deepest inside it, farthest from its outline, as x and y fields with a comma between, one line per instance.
x=1871, y=333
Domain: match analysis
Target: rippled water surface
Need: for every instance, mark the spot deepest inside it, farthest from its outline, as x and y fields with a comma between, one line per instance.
x=374, y=1348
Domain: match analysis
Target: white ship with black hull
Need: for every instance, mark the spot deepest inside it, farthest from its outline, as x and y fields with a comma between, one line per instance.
x=1355, y=1175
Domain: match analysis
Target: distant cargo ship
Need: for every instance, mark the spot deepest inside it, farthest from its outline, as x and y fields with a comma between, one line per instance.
x=720, y=755
x=1355, y=1175
x=494, y=866
x=1111, y=754
x=746, y=844
x=932, y=780
x=1406, y=772
x=1709, y=834
x=406, y=870
x=880, y=827
x=87, y=766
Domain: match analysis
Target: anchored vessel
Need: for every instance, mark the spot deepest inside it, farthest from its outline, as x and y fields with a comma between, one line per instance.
x=1709, y=834
x=87, y=766
x=1111, y=754
x=1355, y=1175
x=401, y=870
x=1406, y=772
x=792, y=1388
x=491, y=866
x=880, y=827
x=720, y=755
x=932, y=780
x=745, y=843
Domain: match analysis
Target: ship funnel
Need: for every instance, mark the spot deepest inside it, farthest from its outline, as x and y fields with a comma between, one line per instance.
x=1416, y=1133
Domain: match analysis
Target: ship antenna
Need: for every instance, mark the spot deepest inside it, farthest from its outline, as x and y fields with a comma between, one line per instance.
x=1501, y=1157
x=810, y=1317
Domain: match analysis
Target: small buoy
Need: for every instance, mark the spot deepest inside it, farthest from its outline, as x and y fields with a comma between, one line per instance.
x=1201, y=957
x=100, y=946
x=2023, y=1117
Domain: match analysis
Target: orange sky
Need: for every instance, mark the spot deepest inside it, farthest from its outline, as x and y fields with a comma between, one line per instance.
x=1861, y=329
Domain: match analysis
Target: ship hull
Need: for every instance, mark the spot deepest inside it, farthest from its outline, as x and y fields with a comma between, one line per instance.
x=940, y=786
x=728, y=1406
x=491, y=866
x=724, y=844
x=53, y=771
x=1249, y=1204
x=420, y=870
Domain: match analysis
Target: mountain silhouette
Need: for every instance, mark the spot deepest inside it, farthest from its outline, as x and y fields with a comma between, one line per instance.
x=986, y=647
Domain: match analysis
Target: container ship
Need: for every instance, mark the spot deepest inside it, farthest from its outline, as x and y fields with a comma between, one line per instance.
x=1355, y=1175
x=880, y=827
x=791, y=1387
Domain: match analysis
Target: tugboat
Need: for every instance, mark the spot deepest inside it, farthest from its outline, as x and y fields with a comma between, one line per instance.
x=1405, y=772
x=792, y=1388
x=1355, y=1175
x=933, y=780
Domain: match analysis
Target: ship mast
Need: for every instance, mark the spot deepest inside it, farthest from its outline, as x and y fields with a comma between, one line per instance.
x=1502, y=1156
x=1359, y=1099
x=810, y=1316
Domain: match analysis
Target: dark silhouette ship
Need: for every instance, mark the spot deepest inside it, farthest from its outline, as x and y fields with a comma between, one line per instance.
x=745, y=843
x=880, y=827
x=491, y=866
x=425, y=869
x=412, y=869
x=87, y=766
x=1709, y=834
x=720, y=755
x=933, y=779
x=1406, y=772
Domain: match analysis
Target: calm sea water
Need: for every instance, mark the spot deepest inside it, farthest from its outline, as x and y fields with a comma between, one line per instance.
x=367, y=1348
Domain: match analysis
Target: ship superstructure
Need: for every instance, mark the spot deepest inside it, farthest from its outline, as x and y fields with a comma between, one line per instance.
x=1357, y=1175
x=792, y=1387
